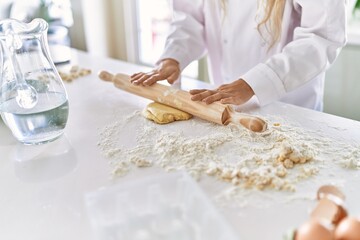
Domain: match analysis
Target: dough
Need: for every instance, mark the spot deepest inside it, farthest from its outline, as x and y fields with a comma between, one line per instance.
x=163, y=114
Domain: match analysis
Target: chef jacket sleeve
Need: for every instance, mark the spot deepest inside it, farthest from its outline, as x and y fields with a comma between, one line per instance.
x=316, y=44
x=185, y=42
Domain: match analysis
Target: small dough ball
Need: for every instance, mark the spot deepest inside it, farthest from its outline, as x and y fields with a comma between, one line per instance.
x=162, y=114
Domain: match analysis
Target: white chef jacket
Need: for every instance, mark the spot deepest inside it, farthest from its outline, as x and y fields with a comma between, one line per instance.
x=293, y=71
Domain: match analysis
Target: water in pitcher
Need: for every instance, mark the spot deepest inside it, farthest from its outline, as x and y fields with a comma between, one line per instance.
x=45, y=122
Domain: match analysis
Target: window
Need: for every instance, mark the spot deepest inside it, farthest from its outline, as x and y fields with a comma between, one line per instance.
x=153, y=19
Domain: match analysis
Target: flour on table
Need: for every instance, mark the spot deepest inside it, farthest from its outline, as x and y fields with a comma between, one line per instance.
x=277, y=159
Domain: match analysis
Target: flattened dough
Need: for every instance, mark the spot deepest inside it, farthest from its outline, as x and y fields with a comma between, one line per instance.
x=163, y=114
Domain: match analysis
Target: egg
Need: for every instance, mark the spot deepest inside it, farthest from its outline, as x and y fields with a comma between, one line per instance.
x=348, y=229
x=314, y=230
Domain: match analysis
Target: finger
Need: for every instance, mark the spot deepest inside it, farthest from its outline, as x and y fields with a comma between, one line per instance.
x=196, y=91
x=143, y=78
x=202, y=95
x=173, y=77
x=140, y=76
x=213, y=98
x=136, y=76
x=153, y=79
x=231, y=100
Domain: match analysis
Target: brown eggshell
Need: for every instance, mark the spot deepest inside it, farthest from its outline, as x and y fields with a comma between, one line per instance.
x=341, y=215
x=348, y=229
x=314, y=230
x=329, y=211
x=330, y=190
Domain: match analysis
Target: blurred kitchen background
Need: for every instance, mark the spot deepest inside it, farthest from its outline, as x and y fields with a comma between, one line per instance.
x=135, y=31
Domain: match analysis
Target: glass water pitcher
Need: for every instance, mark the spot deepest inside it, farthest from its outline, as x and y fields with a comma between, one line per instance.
x=33, y=99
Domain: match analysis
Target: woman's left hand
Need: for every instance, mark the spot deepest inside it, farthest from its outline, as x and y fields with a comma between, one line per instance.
x=237, y=93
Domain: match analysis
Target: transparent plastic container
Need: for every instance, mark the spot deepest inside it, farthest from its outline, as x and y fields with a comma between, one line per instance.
x=166, y=207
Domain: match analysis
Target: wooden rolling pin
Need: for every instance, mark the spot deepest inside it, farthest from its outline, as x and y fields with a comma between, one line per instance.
x=215, y=112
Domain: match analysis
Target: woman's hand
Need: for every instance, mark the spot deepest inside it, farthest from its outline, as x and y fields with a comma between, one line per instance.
x=168, y=69
x=237, y=92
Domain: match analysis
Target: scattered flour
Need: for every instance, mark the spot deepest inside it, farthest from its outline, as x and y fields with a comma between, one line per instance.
x=276, y=159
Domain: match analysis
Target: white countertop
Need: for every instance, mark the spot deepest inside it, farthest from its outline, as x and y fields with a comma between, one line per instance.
x=43, y=199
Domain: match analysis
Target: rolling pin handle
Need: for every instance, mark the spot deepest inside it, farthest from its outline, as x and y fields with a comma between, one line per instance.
x=106, y=76
x=253, y=124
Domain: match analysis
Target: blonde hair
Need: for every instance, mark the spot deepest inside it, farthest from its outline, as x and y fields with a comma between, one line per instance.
x=271, y=21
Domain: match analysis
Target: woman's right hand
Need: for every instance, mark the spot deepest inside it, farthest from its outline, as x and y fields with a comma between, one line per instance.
x=168, y=69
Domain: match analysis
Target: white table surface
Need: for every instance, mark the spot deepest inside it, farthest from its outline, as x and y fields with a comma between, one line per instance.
x=42, y=197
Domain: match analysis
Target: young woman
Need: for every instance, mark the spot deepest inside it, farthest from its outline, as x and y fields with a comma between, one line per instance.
x=273, y=49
